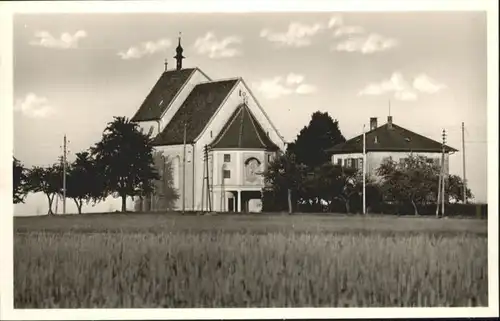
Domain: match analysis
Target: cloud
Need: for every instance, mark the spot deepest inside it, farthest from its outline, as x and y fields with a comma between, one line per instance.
x=145, y=48
x=396, y=84
x=282, y=86
x=300, y=34
x=401, y=89
x=297, y=34
x=348, y=30
x=405, y=95
x=293, y=79
x=34, y=106
x=65, y=41
x=366, y=44
x=215, y=48
x=426, y=84
x=335, y=21
x=305, y=89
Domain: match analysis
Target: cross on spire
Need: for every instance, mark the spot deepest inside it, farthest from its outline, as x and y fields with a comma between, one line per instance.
x=179, y=55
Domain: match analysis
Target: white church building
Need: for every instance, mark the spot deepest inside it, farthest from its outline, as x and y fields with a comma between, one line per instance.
x=187, y=111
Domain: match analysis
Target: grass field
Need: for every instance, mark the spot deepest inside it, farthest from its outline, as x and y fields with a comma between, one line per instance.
x=154, y=260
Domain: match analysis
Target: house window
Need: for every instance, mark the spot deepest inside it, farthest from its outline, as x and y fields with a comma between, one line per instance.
x=227, y=158
x=227, y=173
x=360, y=163
x=339, y=161
x=346, y=162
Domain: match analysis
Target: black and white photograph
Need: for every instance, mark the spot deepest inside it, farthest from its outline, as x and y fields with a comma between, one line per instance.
x=213, y=159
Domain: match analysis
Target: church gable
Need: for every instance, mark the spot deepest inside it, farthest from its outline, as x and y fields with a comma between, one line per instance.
x=242, y=130
x=162, y=94
x=196, y=111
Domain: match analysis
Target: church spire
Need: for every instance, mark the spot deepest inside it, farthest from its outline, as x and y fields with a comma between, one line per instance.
x=179, y=55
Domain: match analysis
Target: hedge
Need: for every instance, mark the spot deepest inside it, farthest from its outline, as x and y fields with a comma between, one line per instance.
x=277, y=202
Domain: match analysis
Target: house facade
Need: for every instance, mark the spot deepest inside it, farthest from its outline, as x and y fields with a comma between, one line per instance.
x=212, y=131
x=388, y=141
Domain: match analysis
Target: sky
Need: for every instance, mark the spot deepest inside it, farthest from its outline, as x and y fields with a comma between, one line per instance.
x=74, y=72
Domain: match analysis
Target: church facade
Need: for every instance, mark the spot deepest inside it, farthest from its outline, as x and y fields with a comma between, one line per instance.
x=216, y=135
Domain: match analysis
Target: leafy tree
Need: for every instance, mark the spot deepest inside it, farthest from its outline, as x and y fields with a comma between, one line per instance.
x=164, y=195
x=454, y=189
x=413, y=180
x=125, y=157
x=321, y=133
x=20, y=182
x=284, y=174
x=46, y=180
x=84, y=182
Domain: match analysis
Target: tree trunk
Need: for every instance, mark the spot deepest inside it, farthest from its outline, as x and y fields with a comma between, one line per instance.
x=79, y=204
x=124, y=203
x=290, y=210
x=50, y=204
x=415, y=207
x=347, y=206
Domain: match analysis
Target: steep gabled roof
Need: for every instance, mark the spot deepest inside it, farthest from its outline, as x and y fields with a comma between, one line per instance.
x=195, y=112
x=242, y=130
x=384, y=139
x=162, y=94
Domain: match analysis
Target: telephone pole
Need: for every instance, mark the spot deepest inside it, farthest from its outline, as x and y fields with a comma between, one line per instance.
x=64, y=174
x=441, y=183
x=364, y=170
x=463, y=164
x=444, y=174
x=184, y=171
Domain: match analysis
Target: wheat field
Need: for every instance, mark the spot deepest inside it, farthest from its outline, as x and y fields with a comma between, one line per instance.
x=307, y=261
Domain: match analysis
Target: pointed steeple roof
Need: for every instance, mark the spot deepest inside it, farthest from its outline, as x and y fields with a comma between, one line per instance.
x=242, y=130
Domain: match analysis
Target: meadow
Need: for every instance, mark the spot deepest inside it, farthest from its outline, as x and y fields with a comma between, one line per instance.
x=174, y=261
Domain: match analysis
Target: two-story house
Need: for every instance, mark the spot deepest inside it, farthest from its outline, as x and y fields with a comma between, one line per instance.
x=186, y=112
x=388, y=141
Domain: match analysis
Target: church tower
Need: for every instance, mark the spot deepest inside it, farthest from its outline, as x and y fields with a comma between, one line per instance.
x=179, y=55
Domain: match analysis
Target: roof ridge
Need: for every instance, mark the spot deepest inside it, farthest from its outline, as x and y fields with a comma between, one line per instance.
x=178, y=92
x=282, y=138
x=250, y=115
x=233, y=117
x=218, y=80
x=209, y=121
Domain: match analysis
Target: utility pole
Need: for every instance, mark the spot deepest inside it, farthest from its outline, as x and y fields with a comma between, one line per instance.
x=223, y=190
x=64, y=175
x=444, y=173
x=440, y=197
x=364, y=170
x=208, y=180
x=463, y=164
x=184, y=171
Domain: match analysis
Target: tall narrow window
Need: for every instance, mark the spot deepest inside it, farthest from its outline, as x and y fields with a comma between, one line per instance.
x=227, y=158
x=227, y=173
x=339, y=161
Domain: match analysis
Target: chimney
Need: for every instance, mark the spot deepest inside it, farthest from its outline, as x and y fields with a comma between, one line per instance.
x=389, y=122
x=373, y=123
x=166, y=65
